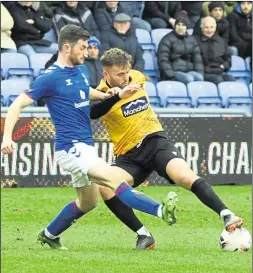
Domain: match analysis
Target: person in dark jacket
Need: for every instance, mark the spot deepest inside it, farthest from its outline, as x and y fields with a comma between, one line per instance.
x=75, y=14
x=179, y=55
x=162, y=14
x=105, y=13
x=214, y=50
x=31, y=22
x=92, y=61
x=193, y=10
x=123, y=37
x=216, y=10
x=240, y=21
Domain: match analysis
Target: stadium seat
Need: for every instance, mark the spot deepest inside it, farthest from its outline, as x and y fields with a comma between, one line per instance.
x=144, y=39
x=3, y=103
x=250, y=89
x=173, y=94
x=228, y=90
x=158, y=34
x=15, y=65
x=51, y=36
x=190, y=31
x=247, y=64
x=241, y=103
x=10, y=89
x=204, y=94
x=238, y=69
x=233, y=51
x=38, y=61
x=149, y=65
x=155, y=100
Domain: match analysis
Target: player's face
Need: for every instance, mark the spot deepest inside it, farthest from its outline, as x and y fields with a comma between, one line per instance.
x=117, y=76
x=246, y=7
x=78, y=52
x=217, y=13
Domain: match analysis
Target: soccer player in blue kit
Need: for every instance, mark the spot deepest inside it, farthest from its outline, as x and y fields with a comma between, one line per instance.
x=65, y=89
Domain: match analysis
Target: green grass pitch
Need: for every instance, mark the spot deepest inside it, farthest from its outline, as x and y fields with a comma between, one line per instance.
x=99, y=243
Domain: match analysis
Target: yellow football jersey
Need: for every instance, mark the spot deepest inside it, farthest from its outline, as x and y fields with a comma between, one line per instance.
x=130, y=119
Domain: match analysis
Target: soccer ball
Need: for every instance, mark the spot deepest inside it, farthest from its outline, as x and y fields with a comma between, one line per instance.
x=237, y=240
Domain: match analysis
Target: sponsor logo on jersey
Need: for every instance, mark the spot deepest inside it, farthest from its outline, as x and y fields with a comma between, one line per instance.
x=134, y=107
x=68, y=82
x=82, y=104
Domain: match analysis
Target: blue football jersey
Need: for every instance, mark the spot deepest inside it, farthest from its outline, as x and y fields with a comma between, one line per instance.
x=65, y=91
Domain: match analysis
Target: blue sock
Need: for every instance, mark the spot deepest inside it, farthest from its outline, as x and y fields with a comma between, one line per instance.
x=69, y=214
x=136, y=200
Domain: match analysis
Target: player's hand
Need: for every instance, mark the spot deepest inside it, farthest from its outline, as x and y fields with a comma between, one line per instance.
x=113, y=91
x=7, y=146
x=129, y=90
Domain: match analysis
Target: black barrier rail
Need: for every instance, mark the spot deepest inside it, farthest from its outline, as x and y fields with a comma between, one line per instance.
x=220, y=149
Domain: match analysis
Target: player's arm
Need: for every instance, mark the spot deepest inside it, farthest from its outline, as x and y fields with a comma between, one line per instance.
x=100, y=108
x=98, y=95
x=11, y=118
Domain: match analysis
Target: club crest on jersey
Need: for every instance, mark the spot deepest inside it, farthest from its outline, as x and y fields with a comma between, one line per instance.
x=82, y=94
x=85, y=79
x=134, y=107
x=68, y=82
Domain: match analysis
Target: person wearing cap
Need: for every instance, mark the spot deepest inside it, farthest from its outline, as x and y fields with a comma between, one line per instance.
x=228, y=8
x=93, y=61
x=214, y=51
x=75, y=13
x=122, y=36
x=179, y=55
x=240, y=21
x=216, y=10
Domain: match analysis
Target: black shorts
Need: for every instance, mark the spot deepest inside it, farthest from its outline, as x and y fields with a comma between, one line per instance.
x=152, y=154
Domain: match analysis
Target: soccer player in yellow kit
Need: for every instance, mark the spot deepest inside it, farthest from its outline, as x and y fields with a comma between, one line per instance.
x=141, y=146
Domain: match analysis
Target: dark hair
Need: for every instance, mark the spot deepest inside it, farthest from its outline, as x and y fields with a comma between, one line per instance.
x=72, y=34
x=117, y=57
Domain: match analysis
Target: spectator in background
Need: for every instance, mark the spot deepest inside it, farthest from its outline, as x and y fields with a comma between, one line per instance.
x=7, y=23
x=193, y=10
x=135, y=10
x=74, y=13
x=105, y=14
x=162, y=14
x=93, y=61
x=214, y=50
x=31, y=22
x=123, y=37
x=216, y=10
x=228, y=8
x=179, y=55
x=240, y=21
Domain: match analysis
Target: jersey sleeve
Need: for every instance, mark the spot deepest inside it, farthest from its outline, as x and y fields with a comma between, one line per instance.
x=41, y=87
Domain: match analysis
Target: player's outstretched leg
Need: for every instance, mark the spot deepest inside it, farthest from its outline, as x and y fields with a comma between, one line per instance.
x=87, y=200
x=182, y=175
x=126, y=215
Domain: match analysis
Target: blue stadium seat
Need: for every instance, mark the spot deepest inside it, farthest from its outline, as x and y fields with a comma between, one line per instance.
x=51, y=36
x=3, y=103
x=173, y=94
x=149, y=64
x=233, y=51
x=238, y=69
x=38, y=61
x=247, y=64
x=204, y=94
x=228, y=90
x=15, y=65
x=241, y=103
x=10, y=89
x=158, y=34
x=153, y=98
x=250, y=89
x=144, y=39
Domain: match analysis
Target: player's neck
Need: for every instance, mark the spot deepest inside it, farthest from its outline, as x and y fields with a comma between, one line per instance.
x=63, y=61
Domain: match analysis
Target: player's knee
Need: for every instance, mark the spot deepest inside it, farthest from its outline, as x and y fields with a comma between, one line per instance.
x=186, y=179
x=106, y=193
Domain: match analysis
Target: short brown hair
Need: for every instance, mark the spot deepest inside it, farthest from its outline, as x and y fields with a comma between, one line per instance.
x=72, y=34
x=116, y=57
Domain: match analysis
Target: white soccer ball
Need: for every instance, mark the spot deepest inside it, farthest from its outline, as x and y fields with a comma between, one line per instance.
x=238, y=240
